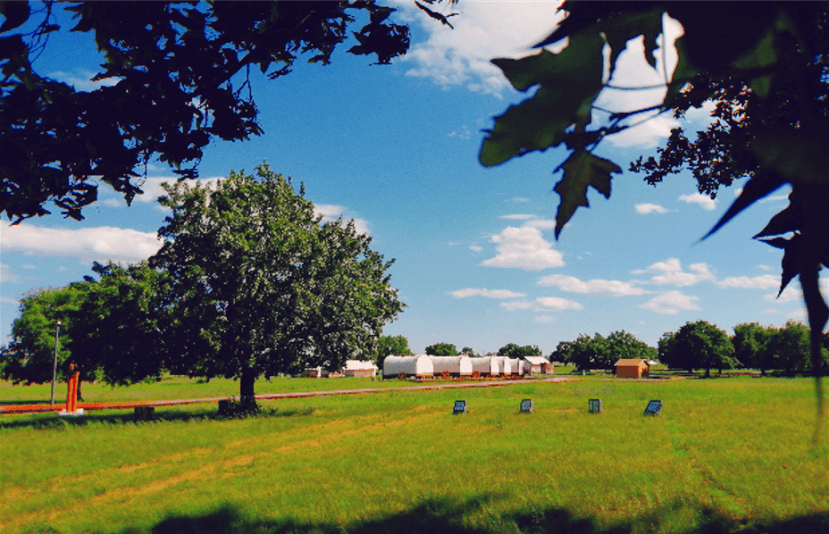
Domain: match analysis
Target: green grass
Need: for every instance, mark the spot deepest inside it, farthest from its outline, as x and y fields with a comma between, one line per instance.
x=725, y=455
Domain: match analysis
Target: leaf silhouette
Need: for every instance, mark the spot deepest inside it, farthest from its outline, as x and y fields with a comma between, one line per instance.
x=582, y=169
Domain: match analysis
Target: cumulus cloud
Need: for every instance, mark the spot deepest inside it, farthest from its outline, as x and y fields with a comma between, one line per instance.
x=543, y=304
x=765, y=281
x=90, y=244
x=476, y=248
x=542, y=224
x=330, y=212
x=484, y=30
x=572, y=284
x=152, y=190
x=523, y=248
x=670, y=302
x=671, y=273
x=650, y=208
x=490, y=293
x=705, y=201
x=790, y=294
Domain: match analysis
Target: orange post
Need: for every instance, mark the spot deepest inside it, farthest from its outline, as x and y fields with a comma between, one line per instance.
x=72, y=393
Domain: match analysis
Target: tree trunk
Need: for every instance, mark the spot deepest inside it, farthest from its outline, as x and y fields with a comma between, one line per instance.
x=80, y=397
x=247, y=380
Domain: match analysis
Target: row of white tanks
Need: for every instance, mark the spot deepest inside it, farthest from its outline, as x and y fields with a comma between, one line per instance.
x=426, y=365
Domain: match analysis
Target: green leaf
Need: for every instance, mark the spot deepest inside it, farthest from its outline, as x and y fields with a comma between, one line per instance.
x=792, y=254
x=683, y=73
x=582, y=169
x=569, y=82
x=755, y=189
x=802, y=158
x=788, y=220
x=618, y=30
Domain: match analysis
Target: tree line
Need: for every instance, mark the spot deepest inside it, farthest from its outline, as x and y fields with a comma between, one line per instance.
x=702, y=345
x=248, y=283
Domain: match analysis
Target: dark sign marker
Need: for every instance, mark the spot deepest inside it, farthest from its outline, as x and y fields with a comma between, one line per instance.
x=527, y=406
x=654, y=407
x=594, y=405
x=460, y=407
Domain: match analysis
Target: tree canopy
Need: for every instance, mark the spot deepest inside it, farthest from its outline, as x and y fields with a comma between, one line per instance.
x=764, y=64
x=442, y=349
x=260, y=286
x=698, y=345
x=599, y=352
x=511, y=350
x=182, y=73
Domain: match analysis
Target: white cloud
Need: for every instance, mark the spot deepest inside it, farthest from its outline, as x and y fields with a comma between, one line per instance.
x=476, y=248
x=90, y=244
x=81, y=79
x=517, y=199
x=542, y=224
x=544, y=319
x=769, y=310
x=9, y=300
x=650, y=208
x=790, y=294
x=671, y=273
x=705, y=201
x=765, y=281
x=670, y=302
x=483, y=31
x=463, y=133
x=543, y=304
x=152, y=190
x=518, y=216
x=330, y=212
x=6, y=275
x=523, y=248
x=491, y=293
x=614, y=288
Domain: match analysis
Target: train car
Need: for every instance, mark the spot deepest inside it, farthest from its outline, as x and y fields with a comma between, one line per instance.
x=419, y=366
x=484, y=366
x=453, y=365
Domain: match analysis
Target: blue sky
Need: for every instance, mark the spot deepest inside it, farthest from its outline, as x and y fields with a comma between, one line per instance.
x=396, y=149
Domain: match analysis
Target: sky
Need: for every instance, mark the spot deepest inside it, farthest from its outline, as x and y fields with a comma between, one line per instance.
x=476, y=261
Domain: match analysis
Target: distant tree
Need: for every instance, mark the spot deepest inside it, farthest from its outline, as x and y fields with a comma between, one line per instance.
x=469, y=352
x=263, y=286
x=702, y=345
x=181, y=74
x=29, y=357
x=562, y=352
x=122, y=326
x=624, y=345
x=788, y=346
x=442, y=349
x=750, y=341
x=587, y=353
x=511, y=350
x=391, y=345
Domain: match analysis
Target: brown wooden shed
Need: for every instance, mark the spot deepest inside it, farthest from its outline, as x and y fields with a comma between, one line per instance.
x=633, y=368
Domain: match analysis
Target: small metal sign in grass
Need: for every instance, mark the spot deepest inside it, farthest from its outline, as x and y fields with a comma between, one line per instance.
x=460, y=407
x=527, y=406
x=594, y=405
x=654, y=407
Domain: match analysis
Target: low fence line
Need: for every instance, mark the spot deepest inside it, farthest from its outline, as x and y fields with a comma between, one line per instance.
x=37, y=408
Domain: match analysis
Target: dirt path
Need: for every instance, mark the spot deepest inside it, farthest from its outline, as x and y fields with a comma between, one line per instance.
x=34, y=408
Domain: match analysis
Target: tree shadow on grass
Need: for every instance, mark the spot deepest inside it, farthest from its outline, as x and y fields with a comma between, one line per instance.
x=446, y=516
x=96, y=419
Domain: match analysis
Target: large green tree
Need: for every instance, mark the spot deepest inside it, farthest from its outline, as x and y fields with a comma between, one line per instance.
x=765, y=64
x=391, y=345
x=699, y=345
x=750, y=341
x=121, y=326
x=263, y=285
x=183, y=78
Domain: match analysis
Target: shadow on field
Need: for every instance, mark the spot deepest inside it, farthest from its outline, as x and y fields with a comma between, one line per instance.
x=445, y=516
x=94, y=419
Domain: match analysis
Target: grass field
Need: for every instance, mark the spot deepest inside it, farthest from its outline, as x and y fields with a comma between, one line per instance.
x=725, y=455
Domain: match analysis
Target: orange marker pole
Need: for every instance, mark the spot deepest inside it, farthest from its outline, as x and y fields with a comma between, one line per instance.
x=72, y=393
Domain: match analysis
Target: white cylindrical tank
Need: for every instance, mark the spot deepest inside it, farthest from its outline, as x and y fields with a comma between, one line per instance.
x=517, y=366
x=486, y=366
x=504, y=365
x=420, y=366
x=454, y=365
